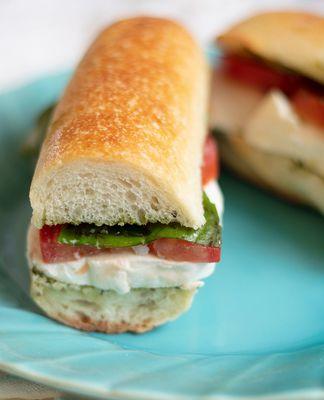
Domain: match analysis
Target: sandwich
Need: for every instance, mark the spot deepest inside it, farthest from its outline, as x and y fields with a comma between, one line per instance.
x=125, y=222
x=267, y=107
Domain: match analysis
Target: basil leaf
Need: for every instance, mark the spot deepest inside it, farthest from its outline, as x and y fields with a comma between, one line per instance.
x=132, y=235
x=33, y=143
x=103, y=236
x=217, y=133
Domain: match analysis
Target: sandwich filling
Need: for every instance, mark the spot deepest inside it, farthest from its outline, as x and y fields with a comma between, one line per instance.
x=123, y=269
x=273, y=109
x=121, y=258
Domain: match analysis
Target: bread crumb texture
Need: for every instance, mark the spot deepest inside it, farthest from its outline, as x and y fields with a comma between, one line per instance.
x=91, y=309
x=125, y=142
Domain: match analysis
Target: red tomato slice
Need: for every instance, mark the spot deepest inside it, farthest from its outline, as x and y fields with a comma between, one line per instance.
x=210, y=170
x=181, y=250
x=309, y=106
x=53, y=251
x=257, y=73
x=169, y=249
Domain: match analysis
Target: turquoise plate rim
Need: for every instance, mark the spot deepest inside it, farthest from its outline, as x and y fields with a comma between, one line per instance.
x=150, y=374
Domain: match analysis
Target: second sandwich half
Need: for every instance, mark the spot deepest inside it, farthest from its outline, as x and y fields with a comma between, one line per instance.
x=125, y=204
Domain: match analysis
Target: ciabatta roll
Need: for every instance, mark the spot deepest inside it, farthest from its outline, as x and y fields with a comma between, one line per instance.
x=128, y=132
x=268, y=103
x=122, y=234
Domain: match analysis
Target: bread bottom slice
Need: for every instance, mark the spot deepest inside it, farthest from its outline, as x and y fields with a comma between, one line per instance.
x=278, y=174
x=92, y=309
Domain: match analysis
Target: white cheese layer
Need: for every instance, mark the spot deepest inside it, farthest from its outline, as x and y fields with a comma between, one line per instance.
x=125, y=270
x=231, y=103
x=267, y=122
x=275, y=127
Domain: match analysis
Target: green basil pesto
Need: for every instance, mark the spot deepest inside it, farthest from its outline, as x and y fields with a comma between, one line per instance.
x=132, y=235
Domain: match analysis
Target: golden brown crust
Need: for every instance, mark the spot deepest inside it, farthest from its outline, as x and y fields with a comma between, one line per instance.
x=293, y=39
x=138, y=98
x=90, y=325
x=91, y=309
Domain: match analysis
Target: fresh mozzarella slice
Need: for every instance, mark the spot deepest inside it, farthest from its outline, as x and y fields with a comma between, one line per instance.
x=274, y=127
x=232, y=102
x=128, y=269
x=125, y=271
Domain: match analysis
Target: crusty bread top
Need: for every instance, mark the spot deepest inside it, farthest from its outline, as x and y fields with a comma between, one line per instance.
x=293, y=39
x=125, y=142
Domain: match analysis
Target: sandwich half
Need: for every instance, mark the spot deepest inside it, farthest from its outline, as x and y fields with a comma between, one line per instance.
x=267, y=106
x=125, y=204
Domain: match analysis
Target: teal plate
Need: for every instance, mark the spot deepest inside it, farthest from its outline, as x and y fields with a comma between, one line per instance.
x=255, y=330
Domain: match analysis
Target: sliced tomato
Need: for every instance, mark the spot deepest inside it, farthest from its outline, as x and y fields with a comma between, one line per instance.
x=210, y=169
x=52, y=251
x=181, y=250
x=310, y=106
x=259, y=74
x=170, y=249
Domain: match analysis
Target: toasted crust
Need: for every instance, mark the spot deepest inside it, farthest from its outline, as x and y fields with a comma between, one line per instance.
x=132, y=117
x=91, y=309
x=293, y=39
x=272, y=173
x=91, y=325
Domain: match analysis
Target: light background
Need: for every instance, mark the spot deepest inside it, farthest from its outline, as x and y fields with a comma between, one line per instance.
x=38, y=37
x=43, y=36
